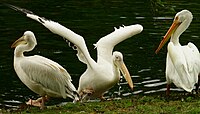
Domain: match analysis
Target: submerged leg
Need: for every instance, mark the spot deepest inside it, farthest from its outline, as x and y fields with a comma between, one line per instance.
x=168, y=90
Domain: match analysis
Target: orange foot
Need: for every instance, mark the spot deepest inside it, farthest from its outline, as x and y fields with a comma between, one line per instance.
x=38, y=103
x=33, y=103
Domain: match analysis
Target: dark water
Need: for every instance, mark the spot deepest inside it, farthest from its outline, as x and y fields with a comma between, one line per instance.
x=93, y=20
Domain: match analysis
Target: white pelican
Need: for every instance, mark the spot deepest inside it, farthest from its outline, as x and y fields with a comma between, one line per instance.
x=99, y=76
x=43, y=76
x=183, y=62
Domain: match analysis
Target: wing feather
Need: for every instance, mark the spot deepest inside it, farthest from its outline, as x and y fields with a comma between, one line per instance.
x=56, y=28
x=185, y=69
x=67, y=34
x=106, y=44
x=47, y=73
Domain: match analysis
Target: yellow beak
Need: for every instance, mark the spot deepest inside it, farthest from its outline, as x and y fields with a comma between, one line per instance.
x=171, y=30
x=126, y=74
x=19, y=41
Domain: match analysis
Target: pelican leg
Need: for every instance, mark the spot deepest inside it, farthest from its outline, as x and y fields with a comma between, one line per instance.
x=198, y=84
x=34, y=102
x=29, y=102
x=42, y=102
x=168, y=90
x=102, y=98
x=38, y=102
x=86, y=92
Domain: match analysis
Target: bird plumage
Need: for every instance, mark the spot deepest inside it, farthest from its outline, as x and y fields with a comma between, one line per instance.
x=42, y=75
x=103, y=74
x=183, y=62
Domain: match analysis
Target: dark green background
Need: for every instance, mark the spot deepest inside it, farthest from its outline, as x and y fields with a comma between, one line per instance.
x=94, y=19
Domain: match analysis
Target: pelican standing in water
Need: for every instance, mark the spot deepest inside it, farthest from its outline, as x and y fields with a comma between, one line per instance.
x=99, y=76
x=183, y=62
x=43, y=76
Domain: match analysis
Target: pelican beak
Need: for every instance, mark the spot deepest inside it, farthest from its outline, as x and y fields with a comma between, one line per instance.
x=126, y=74
x=19, y=41
x=171, y=30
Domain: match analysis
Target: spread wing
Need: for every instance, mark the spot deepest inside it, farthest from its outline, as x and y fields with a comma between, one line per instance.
x=67, y=34
x=106, y=44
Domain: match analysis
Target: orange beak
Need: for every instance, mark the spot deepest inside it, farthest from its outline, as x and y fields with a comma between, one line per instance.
x=171, y=30
x=126, y=74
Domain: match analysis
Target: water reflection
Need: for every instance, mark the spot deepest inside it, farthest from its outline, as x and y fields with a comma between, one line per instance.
x=92, y=20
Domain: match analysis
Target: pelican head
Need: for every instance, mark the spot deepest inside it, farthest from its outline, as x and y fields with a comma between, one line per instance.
x=119, y=63
x=27, y=39
x=181, y=22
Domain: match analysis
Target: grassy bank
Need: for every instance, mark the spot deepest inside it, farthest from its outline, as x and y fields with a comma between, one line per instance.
x=137, y=104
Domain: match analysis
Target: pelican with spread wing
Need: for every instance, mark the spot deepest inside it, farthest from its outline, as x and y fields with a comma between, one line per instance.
x=183, y=62
x=99, y=76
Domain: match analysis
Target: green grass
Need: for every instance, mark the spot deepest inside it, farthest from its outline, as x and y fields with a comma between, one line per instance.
x=136, y=104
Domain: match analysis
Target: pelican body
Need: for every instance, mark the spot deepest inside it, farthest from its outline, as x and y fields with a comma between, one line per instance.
x=102, y=74
x=183, y=62
x=43, y=76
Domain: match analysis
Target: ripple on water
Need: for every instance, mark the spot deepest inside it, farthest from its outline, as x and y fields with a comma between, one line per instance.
x=163, y=18
x=155, y=84
x=10, y=104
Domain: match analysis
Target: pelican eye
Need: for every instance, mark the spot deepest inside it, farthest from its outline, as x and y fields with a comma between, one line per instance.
x=117, y=58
